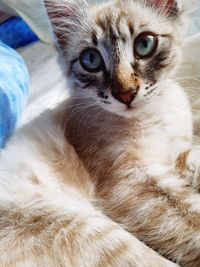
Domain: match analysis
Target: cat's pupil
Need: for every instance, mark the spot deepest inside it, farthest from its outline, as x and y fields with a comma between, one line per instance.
x=91, y=57
x=145, y=43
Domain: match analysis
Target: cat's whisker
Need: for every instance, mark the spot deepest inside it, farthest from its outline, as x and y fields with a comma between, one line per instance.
x=92, y=116
x=76, y=110
x=80, y=119
x=195, y=78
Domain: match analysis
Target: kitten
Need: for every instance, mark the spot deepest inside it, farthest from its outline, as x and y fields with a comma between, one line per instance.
x=80, y=185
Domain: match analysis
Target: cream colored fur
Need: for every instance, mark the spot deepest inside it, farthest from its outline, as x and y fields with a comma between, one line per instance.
x=81, y=184
x=48, y=216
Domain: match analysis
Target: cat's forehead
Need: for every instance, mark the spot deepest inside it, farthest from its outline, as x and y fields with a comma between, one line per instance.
x=125, y=18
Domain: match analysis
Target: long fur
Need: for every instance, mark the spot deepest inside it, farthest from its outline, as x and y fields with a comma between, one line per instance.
x=94, y=183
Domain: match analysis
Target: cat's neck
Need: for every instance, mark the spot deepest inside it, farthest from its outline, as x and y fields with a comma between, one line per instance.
x=100, y=137
x=84, y=115
x=86, y=122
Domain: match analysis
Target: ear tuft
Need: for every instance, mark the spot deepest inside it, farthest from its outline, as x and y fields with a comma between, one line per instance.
x=66, y=17
x=167, y=7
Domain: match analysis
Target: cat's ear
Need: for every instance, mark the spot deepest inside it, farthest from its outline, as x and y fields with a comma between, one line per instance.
x=66, y=17
x=168, y=7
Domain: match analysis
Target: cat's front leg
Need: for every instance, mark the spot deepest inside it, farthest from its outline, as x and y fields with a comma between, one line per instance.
x=62, y=228
x=162, y=211
x=188, y=165
x=193, y=166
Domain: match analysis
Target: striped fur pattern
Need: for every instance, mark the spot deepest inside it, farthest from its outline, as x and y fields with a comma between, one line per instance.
x=49, y=211
x=97, y=182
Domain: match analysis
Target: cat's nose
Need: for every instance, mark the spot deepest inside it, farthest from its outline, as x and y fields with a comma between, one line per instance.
x=126, y=97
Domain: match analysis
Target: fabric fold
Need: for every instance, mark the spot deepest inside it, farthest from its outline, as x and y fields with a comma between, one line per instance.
x=34, y=13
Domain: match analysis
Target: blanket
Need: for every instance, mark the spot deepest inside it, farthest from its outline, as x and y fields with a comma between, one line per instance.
x=14, y=84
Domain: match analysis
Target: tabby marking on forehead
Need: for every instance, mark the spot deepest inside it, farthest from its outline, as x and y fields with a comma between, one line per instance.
x=131, y=28
x=94, y=38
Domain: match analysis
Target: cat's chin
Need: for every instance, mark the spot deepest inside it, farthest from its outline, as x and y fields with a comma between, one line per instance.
x=123, y=111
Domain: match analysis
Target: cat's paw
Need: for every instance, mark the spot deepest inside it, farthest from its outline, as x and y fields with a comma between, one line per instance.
x=193, y=166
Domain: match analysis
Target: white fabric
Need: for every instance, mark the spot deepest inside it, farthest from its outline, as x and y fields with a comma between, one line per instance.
x=191, y=57
x=34, y=13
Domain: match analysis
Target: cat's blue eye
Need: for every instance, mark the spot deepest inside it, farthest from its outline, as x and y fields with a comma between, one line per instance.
x=91, y=60
x=145, y=45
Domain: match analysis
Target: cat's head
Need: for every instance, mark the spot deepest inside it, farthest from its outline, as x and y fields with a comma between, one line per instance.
x=119, y=53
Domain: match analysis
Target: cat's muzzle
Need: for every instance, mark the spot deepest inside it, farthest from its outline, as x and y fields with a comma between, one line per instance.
x=125, y=97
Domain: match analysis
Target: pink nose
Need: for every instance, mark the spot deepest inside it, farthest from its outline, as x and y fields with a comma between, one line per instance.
x=126, y=97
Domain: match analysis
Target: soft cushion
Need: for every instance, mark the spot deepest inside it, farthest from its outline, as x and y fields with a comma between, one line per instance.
x=14, y=83
x=16, y=33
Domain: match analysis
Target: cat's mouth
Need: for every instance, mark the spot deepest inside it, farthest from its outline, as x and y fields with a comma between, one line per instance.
x=129, y=108
x=114, y=106
x=129, y=103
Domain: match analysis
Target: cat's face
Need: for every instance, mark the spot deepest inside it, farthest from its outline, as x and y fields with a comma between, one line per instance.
x=120, y=53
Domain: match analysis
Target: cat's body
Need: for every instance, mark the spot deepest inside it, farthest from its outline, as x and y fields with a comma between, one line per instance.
x=49, y=214
x=64, y=173
x=135, y=165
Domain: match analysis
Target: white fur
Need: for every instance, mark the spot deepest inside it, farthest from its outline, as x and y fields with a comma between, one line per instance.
x=165, y=125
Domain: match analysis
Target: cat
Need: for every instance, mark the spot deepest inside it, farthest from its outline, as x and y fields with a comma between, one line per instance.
x=110, y=177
